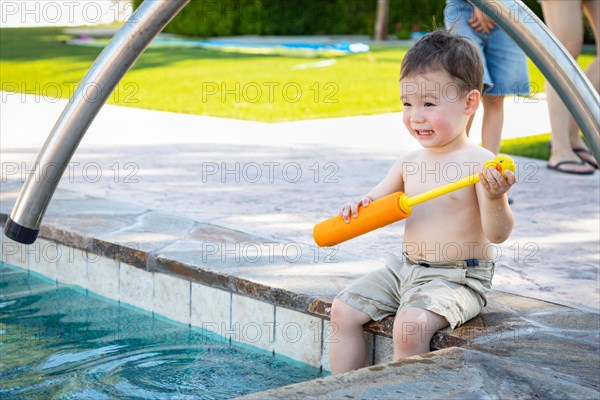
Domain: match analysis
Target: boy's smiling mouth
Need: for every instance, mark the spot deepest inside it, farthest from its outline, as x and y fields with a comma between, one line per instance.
x=423, y=132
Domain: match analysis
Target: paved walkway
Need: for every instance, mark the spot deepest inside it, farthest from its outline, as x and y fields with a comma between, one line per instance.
x=277, y=180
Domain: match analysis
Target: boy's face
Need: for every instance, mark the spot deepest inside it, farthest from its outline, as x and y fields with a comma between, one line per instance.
x=435, y=112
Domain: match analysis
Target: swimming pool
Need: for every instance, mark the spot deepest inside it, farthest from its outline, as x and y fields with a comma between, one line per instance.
x=60, y=341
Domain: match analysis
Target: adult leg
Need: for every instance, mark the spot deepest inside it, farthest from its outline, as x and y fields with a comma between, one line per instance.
x=493, y=119
x=347, y=350
x=592, y=11
x=564, y=18
x=413, y=329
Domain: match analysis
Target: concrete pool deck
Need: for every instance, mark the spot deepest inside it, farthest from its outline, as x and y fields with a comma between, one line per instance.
x=186, y=183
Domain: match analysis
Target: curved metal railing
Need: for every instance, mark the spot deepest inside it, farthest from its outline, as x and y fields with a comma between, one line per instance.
x=553, y=60
x=91, y=94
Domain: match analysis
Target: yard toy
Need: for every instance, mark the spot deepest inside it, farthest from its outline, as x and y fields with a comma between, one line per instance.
x=393, y=207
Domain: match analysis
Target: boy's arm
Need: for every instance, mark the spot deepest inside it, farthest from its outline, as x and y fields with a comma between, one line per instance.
x=497, y=218
x=393, y=182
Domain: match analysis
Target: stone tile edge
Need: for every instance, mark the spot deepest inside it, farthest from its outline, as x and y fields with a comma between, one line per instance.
x=154, y=262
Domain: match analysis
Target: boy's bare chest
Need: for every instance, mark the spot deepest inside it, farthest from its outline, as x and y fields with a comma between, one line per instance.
x=440, y=170
x=434, y=175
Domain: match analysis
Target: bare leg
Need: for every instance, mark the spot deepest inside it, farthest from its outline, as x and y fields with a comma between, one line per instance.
x=493, y=120
x=413, y=330
x=564, y=18
x=592, y=10
x=347, y=350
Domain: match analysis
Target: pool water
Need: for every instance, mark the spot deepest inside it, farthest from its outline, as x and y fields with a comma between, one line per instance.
x=57, y=341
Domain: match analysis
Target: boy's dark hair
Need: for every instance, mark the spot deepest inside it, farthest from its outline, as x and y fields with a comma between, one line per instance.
x=441, y=50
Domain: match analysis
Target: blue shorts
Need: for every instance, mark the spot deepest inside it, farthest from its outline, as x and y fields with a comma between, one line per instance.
x=505, y=70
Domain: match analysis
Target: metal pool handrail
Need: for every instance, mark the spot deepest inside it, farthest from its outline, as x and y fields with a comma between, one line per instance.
x=91, y=94
x=153, y=15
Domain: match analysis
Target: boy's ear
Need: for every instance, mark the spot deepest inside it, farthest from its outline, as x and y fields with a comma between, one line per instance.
x=472, y=101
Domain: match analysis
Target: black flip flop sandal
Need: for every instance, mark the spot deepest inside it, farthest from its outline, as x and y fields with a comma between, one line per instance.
x=590, y=161
x=557, y=167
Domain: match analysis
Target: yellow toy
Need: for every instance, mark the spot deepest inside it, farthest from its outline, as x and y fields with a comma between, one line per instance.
x=393, y=207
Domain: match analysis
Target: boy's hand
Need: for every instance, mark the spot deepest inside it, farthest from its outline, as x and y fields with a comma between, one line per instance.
x=494, y=184
x=352, y=207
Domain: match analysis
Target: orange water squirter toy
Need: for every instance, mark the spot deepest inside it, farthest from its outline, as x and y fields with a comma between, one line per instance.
x=394, y=207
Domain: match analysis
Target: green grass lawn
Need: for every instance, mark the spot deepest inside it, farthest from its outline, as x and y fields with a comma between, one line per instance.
x=535, y=146
x=197, y=81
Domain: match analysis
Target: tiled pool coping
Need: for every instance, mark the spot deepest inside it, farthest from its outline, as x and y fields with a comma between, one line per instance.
x=272, y=295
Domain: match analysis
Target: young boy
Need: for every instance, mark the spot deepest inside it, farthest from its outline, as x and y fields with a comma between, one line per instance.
x=446, y=271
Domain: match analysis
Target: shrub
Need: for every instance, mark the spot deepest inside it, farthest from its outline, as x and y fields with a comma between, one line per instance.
x=295, y=17
x=306, y=17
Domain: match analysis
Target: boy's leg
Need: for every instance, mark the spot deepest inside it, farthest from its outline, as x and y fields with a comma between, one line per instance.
x=347, y=350
x=493, y=120
x=413, y=329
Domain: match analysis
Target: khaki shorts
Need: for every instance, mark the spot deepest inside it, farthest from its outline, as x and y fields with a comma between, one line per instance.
x=455, y=291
